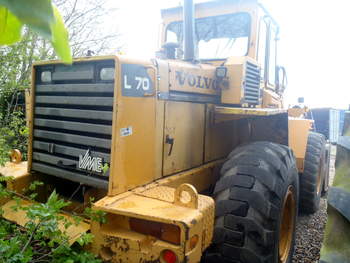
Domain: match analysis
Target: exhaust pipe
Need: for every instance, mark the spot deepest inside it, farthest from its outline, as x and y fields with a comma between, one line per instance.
x=188, y=29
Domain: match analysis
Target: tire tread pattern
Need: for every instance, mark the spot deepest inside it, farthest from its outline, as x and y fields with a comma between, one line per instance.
x=309, y=198
x=247, y=198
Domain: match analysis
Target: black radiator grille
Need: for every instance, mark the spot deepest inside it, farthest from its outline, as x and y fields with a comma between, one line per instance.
x=252, y=84
x=73, y=120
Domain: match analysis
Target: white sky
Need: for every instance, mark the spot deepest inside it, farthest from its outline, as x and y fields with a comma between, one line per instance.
x=314, y=45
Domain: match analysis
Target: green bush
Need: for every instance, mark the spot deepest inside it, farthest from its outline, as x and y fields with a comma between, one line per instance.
x=41, y=240
x=14, y=135
x=39, y=18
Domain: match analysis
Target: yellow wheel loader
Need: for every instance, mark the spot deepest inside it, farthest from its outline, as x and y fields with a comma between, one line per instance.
x=190, y=154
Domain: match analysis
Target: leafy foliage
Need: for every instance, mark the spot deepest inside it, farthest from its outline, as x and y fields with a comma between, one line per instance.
x=38, y=14
x=15, y=67
x=41, y=16
x=32, y=30
x=60, y=38
x=4, y=150
x=10, y=27
x=44, y=238
x=15, y=134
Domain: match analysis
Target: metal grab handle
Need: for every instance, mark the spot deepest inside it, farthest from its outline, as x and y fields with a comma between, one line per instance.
x=70, y=166
x=191, y=190
x=170, y=141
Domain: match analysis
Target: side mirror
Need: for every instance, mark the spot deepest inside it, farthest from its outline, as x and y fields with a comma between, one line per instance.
x=169, y=51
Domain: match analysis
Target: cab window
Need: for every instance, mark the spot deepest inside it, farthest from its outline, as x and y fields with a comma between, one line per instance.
x=272, y=56
x=216, y=36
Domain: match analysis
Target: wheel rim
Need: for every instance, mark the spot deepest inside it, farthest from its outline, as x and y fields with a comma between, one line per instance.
x=287, y=225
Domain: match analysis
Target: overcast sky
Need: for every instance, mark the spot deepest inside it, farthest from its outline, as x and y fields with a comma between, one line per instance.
x=314, y=45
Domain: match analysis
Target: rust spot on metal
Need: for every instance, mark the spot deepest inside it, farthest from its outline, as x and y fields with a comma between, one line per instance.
x=117, y=244
x=115, y=250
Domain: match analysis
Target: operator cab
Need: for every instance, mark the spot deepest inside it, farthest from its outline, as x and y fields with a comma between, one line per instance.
x=225, y=30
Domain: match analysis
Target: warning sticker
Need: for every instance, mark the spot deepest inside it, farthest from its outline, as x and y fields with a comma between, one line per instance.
x=126, y=131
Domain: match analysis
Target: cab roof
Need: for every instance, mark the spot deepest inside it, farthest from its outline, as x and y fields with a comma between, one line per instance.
x=206, y=5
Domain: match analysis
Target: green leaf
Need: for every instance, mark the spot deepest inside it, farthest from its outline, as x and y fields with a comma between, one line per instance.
x=105, y=168
x=10, y=27
x=38, y=14
x=60, y=40
x=85, y=239
x=34, y=185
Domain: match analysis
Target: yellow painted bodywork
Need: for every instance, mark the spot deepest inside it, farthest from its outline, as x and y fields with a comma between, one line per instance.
x=297, y=112
x=271, y=100
x=189, y=73
x=234, y=93
x=184, y=122
x=145, y=170
x=136, y=154
x=247, y=111
x=156, y=204
x=20, y=178
x=298, y=135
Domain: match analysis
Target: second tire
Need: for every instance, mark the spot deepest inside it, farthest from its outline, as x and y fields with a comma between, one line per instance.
x=313, y=177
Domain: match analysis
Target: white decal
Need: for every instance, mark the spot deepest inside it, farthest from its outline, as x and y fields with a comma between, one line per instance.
x=126, y=131
x=145, y=84
x=126, y=85
x=89, y=163
x=139, y=82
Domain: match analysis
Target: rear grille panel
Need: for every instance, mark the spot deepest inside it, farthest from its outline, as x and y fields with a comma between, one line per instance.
x=73, y=120
x=252, y=84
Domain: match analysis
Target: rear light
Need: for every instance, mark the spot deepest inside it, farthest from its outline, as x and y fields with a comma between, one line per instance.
x=169, y=256
x=166, y=232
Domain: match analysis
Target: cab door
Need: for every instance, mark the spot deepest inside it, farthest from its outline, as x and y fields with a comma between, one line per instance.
x=183, y=136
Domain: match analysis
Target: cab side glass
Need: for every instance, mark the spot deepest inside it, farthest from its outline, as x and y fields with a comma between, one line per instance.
x=272, y=56
x=216, y=37
x=171, y=37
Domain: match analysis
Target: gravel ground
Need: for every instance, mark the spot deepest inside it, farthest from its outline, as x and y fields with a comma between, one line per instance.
x=309, y=235
x=310, y=229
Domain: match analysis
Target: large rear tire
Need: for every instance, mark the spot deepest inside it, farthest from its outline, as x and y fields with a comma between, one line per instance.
x=256, y=206
x=313, y=177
